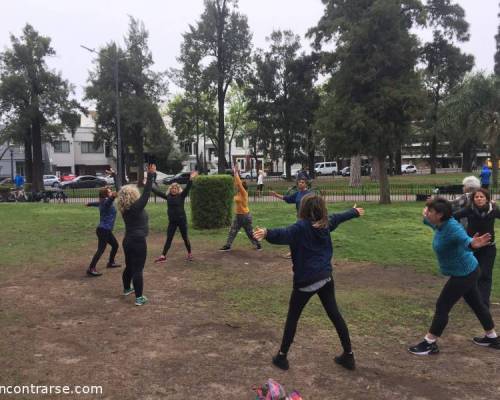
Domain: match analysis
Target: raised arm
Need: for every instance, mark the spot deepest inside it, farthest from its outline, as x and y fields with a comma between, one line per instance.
x=158, y=192
x=109, y=201
x=143, y=200
x=336, y=219
x=189, y=185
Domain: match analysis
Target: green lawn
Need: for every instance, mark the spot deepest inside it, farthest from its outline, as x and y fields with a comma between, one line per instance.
x=389, y=235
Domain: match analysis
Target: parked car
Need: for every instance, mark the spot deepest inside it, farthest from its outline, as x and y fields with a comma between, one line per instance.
x=326, y=168
x=346, y=171
x=181, y=178
x=408, y=169
x=248, y=174
x=6, y=182
x=109, y=179
x=67, y=177
x=51, y=180
x=84, y=181
x=293, y=172
x=366, y=170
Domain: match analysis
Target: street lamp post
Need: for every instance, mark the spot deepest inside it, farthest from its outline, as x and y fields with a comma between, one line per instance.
x=11, y=163
x=119, y=150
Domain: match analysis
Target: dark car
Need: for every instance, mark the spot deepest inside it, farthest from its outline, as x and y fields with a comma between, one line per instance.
x=182, y=178
x=84, y=182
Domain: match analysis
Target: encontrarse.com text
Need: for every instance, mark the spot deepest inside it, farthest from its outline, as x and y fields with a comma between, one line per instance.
x=49, y=389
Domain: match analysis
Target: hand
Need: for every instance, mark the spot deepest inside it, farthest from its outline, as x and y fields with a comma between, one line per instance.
x=259, y=233
x=193, y=175
x=114, y=195
x=273, y=193
x=424, y=212
x=151, y=168
x=110, y=172
x=480, y=241
x=359, y=210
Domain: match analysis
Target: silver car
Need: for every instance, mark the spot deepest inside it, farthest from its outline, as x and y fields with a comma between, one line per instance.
x=51, y=180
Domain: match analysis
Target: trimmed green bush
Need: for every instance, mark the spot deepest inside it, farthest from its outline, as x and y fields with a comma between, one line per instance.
x=212, y=201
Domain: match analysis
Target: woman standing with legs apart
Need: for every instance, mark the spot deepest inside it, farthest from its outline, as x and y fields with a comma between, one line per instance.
x=131, y=205
x=104, y=230
x=175, y=197
x=243, y=218
x=311, y=246
x=453, y=248
x=481, y=215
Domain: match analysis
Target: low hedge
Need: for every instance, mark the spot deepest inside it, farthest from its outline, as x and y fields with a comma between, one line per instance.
x=212, y=201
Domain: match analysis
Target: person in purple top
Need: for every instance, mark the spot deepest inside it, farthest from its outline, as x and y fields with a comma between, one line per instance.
x=104, y=230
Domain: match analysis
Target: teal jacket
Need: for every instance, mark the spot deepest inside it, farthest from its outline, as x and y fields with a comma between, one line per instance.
x=451, y=245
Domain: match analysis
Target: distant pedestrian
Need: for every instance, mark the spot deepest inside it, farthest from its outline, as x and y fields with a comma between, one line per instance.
x=485, y=177
x=19, y=181
x=260, y=182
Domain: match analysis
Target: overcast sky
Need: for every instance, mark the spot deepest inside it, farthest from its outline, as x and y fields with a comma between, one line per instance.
x=95, y=22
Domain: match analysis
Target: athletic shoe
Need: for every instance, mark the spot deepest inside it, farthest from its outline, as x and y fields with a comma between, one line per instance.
x=161, y=259
x=424, y=348
x=113, y=265
x=346, y=360
x=93, y=272
x=140, y=301
x=189, y=257
x=225, y=248
x=485, y=341
x=280, y=361
x=259, y=247
x=126, y=292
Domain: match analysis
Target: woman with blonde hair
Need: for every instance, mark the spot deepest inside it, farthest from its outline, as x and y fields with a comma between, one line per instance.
x=131, y=205
x=175, y=197
x=312, y=251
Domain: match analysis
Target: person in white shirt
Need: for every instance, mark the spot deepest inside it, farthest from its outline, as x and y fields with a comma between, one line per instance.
x=260, y=182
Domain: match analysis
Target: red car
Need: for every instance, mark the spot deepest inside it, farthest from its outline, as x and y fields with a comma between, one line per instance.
x=67, y=177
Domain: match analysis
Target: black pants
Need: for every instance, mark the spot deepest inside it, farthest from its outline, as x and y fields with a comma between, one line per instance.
x=299, y=299
x=456, y=288
x=172, y=227
x=486, y=258
x=135, y=257
x=104, y=237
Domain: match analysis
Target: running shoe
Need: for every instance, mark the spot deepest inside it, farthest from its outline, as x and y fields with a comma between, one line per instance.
x=280, y=361
x=93, y=272
x=346, y=360
x=225, y=248
x=161, y=259
x=189, y=257
x=140, y=301
x=424, y=348
x=485, y=341
x=258, y=247
x=113, y=265
x=126, y=292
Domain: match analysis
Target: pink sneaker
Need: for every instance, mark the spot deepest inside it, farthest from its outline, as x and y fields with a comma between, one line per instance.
x=189, y=257
x=161, y=259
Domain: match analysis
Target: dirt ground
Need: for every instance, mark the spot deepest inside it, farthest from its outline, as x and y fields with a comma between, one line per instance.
x=61, y=328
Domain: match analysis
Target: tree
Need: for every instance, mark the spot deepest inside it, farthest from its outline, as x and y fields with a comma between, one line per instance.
x=222, y=35
x=34, y=99
x=237, y=116
x=374, y=88
x=497, y=53
x=445, y=64
x=140, y=92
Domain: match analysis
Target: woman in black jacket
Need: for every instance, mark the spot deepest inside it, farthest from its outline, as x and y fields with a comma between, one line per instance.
x=481, y=215
x=175, y=197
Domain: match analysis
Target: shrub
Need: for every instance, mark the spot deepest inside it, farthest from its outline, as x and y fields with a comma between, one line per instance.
x=212, y=201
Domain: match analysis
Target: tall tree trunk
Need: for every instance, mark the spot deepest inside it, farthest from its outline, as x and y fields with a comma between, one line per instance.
x=355, y=178
x=398, y=161
x=433, y=153
x=467, y=156
x=494, y=164
x=139, y=150
x=385, y=193
x=230, y=160
x=28, y=156
x=374, y=173
x=37, y=174
x=311, y=153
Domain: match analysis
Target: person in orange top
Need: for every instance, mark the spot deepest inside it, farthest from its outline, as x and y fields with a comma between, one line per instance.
x=243, y=218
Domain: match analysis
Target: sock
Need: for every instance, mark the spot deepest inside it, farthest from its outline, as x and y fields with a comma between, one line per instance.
x=491, y=335
x=429, y=340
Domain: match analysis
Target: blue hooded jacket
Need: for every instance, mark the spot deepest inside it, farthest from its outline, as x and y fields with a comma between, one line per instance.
x=107, y=212
x=311, y=247
x=485, y=175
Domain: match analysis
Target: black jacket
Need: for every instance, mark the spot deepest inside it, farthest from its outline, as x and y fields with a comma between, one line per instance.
x=479, y=220
x=136, y=218
x=175, y=203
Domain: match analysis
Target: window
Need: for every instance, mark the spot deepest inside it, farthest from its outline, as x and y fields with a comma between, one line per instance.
x=108, y=150
x=239, y=141
x=91, y=147
x=61, y=146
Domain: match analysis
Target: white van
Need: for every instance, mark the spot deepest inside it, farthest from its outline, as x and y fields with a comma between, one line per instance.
x=326, y=168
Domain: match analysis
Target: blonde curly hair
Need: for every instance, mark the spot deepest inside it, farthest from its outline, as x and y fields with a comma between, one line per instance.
x=175, y=184
x=127, y=196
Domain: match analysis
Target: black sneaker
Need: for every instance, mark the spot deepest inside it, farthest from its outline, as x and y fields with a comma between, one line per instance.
x=346, y=360
x=225, y=248
x=113, y=265
x=93, y=272
x=485, y=341
x=258, y=247
x=280, y=361
x=424, y=348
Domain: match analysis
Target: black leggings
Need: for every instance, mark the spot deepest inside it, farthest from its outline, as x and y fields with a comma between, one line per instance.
x=104, y=237
x=456, y=288
x=486, y=258
x=172, y=227
x=299, y=299
x=135, y=257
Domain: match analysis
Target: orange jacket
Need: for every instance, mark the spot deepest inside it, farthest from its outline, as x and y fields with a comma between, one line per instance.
x=241, y=198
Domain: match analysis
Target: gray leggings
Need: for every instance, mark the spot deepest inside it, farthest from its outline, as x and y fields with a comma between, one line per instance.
x=241, y=221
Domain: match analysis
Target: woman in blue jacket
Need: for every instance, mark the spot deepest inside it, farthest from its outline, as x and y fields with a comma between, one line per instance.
x=104, y=230
x=454, y=251
x=311, y=248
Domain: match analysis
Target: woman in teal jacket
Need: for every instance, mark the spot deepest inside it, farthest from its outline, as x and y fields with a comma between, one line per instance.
x=453, y=248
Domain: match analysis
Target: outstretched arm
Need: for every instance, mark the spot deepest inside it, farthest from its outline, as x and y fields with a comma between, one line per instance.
x=92, y=204
x=189, y=185
x=159, y=193
x=143, y=200
x=336, y=219
x=286, y=235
